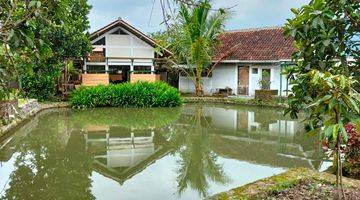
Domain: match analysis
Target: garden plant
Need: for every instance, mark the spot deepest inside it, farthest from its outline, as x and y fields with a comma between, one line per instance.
x=140, y=94
x=327, y=58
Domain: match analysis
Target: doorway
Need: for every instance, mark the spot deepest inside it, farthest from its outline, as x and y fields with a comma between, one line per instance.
x=243, y=80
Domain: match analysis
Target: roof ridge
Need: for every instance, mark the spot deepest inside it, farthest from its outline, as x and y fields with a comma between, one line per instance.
x=254, y=29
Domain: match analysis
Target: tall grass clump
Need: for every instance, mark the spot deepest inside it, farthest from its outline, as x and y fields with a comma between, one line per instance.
x=140, y=94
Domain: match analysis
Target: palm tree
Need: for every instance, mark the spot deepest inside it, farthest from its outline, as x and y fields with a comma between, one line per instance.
x=196, y=38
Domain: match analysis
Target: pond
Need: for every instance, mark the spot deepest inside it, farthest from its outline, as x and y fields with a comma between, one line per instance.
x=179, y=153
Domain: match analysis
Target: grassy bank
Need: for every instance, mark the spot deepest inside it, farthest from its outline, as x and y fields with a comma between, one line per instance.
x=298, y=183
x=275, y=103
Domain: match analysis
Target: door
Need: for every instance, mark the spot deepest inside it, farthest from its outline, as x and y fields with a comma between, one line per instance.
x=243, y=80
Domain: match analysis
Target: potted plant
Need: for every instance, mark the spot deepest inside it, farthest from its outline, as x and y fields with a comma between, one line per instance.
x=265, y=93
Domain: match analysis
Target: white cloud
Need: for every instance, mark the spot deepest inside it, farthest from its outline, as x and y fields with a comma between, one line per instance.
x=246, y=13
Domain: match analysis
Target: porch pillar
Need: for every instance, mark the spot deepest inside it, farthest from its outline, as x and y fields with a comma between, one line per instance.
x=131, y=69
x=132, y=66
x=152, y=67
x=106, y=65
x=85, y=67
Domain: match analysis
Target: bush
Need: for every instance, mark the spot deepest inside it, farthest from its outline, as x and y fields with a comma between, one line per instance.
x=352, y=152
x=41, y=81
x=41, y=87
x=140, y=94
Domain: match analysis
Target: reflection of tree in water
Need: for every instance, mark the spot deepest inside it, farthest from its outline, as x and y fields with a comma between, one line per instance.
x=46, y=168
x=198, y=163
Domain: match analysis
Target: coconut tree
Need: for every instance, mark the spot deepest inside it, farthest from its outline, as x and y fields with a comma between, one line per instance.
x=196, y=38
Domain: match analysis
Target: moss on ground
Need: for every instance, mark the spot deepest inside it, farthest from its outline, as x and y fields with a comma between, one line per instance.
x=264, y=188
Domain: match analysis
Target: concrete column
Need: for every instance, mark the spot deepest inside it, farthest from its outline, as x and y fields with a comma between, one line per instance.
x=132, y=66
x=85, y=66
x=106, y=65
x=152, y=67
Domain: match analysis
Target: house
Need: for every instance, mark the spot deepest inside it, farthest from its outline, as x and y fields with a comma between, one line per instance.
x=249, y=53
x=122, y=53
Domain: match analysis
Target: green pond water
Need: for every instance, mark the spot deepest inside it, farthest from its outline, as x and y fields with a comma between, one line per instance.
x=180, y=153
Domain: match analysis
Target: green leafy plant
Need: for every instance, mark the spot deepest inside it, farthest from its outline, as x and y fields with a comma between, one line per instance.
x=265, y=82
x=325, y=33
x=37, y=39
x=140, y=94
x=196, y=37
x=329, y=103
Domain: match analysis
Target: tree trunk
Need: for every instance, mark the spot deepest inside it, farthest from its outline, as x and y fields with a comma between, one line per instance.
x=198, y=82
x=339, y=182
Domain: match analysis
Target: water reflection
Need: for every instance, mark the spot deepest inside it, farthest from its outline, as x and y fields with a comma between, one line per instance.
x=197, y=163
x=46, y=161
x=57, y=153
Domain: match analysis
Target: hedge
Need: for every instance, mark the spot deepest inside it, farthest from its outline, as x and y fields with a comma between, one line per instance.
x=140, y=94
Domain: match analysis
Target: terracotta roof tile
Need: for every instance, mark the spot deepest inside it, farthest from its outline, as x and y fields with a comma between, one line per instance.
x=255, y=44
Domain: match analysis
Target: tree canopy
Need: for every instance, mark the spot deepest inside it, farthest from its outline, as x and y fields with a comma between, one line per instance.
x=37, y=37
x=193, y=37
x=326, y=34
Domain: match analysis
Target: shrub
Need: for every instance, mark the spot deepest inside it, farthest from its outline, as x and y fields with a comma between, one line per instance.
x=41, y=87
x=140, y=94
x=352, y=152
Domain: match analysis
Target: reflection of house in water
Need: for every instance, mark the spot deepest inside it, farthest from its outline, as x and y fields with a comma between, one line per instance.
x=120, y=153
x=274, y=124
x=261, y=136
x=262, y=121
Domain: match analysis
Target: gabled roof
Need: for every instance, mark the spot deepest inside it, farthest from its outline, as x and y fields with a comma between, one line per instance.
x=121, y=23
x=263, y=44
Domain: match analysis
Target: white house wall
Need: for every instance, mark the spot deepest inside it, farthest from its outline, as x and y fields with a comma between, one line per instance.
x=186, y=85
x=226, y=75
x=126, y=46
x=223, y=76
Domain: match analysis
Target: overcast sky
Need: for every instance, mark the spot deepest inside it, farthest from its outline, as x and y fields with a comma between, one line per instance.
x=245, y=13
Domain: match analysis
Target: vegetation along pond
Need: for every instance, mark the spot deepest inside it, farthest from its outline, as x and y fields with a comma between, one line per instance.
x=165, y=153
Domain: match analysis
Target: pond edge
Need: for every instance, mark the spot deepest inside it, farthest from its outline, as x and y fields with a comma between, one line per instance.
x=264, y=187
x=27, y=116
x=235, y=101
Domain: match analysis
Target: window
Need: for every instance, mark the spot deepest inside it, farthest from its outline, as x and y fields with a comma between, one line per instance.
x=94, y=69
x=100, y=42
x=142, y=69
x=119, y=32
x=255, y=70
